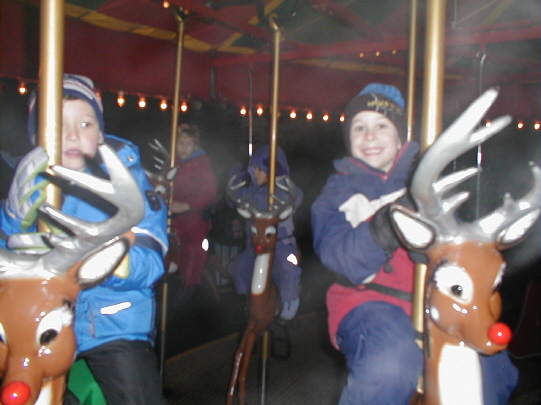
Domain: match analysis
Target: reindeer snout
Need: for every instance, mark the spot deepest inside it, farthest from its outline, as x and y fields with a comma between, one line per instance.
x=15, y=393
x=499, y=333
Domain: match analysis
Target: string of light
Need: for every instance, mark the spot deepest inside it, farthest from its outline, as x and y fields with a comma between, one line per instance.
x=293, y=114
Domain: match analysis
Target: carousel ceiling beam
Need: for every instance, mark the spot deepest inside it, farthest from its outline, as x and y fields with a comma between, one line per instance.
x=201, y=9
x=395, y=43
x=346, y=17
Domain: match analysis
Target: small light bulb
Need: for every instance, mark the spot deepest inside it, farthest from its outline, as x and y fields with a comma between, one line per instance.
x=142, y=102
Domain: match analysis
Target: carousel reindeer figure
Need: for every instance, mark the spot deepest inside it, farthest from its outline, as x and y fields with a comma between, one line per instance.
x=161, y=178
x=465, y=266
x=263, y=301
x=38, y=291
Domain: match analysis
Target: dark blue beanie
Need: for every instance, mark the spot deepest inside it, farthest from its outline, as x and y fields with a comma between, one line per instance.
x=382, y=98
x=73, y=85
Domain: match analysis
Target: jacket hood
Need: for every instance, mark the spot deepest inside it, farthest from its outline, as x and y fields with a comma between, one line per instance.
x=261, y=159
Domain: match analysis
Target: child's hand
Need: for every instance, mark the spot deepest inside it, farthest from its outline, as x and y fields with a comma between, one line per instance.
x=26, y=193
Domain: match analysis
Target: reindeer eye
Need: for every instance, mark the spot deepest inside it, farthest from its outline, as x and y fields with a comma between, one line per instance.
x=269, y=231
x=52, y=323
x=3, y=338
x=457, y=290
x=454, y=282
x=47, y=337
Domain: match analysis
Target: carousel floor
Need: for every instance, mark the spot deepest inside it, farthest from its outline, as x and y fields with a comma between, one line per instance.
x=203, y=333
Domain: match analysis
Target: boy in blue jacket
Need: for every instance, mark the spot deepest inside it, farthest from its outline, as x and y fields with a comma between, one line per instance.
x=369, y=307
x=114, y=321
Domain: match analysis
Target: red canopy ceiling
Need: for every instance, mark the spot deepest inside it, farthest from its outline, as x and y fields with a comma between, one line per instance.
x=330, y=49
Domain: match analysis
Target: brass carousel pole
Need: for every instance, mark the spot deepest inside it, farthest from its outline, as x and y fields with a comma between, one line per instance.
x=431, y=122
x=180, y=17
x=412, y=73
x=273, y=143
x=51, y=64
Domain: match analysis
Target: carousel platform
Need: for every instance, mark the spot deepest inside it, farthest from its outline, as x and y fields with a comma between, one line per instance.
x=309, y=372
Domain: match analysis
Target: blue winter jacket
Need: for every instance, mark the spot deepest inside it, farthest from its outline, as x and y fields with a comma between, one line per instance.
x=122, y=307
x=343, y=247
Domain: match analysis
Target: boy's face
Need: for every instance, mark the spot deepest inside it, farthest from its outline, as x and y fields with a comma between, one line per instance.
x=374, y=139
x=260, y=176
x=81, y=133
x=185, y=147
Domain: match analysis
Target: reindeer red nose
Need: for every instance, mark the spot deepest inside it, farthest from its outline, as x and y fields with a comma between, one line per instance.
x=258, y=249
x=15, y=393
x=499, y=333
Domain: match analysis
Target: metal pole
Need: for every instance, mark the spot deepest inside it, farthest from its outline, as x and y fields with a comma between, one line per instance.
x=179, y=16
x=431, y=123
x=273, y=141
x=51, y=65
x=412, y=56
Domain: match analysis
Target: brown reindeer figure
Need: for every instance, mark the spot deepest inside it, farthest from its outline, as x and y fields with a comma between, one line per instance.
x=263, y=301
x=465, y=266
x=38, y=292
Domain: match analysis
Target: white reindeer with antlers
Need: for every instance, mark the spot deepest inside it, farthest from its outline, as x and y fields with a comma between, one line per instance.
x=465, y=267
x=38, y=292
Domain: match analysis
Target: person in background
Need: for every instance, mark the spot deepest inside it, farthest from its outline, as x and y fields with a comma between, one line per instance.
x=114, y=321
x=194, y=194
x=286, y=272
x=369, y=306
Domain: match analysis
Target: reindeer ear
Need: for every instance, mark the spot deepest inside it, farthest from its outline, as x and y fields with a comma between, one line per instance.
x=102, y=263
x=414, y=232
x=514, y=232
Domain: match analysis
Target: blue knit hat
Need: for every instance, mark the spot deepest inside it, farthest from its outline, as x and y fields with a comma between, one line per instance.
x=382, y=98
x=73, y=85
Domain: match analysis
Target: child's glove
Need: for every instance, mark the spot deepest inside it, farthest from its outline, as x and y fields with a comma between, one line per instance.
x=26, y=193
x=29, y=243
x=381, y=228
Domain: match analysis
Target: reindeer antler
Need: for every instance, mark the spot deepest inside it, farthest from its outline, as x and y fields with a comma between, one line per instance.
x=122, y=191
x=429, y=191
x=281, y=208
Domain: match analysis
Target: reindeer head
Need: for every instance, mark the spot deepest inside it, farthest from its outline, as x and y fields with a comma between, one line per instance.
x=163, y=175
x=265, y=223
x=38, y=292
x=465, y=266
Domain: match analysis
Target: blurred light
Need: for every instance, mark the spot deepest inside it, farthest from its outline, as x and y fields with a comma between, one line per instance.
x=394, y=51
x=142, y=102
x=342, y=118
x=377, y=53
x=22, y=88
x=120, y=100
x=166, y=4
x=243, y=110
x=361, y=55
x=537, y=125
x=205, y=244
x=163, y=104
x=488, y=123
x=293, y=114
x=259, y=111
x=520, y=124
x=309, y=115
x=325, y=117
x=292, y=259
x=184, y=106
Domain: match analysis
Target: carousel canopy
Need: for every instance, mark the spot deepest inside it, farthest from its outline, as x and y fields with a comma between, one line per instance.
x=329, y=51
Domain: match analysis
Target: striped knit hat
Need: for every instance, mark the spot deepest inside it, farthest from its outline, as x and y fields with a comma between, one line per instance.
x=73, y=85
